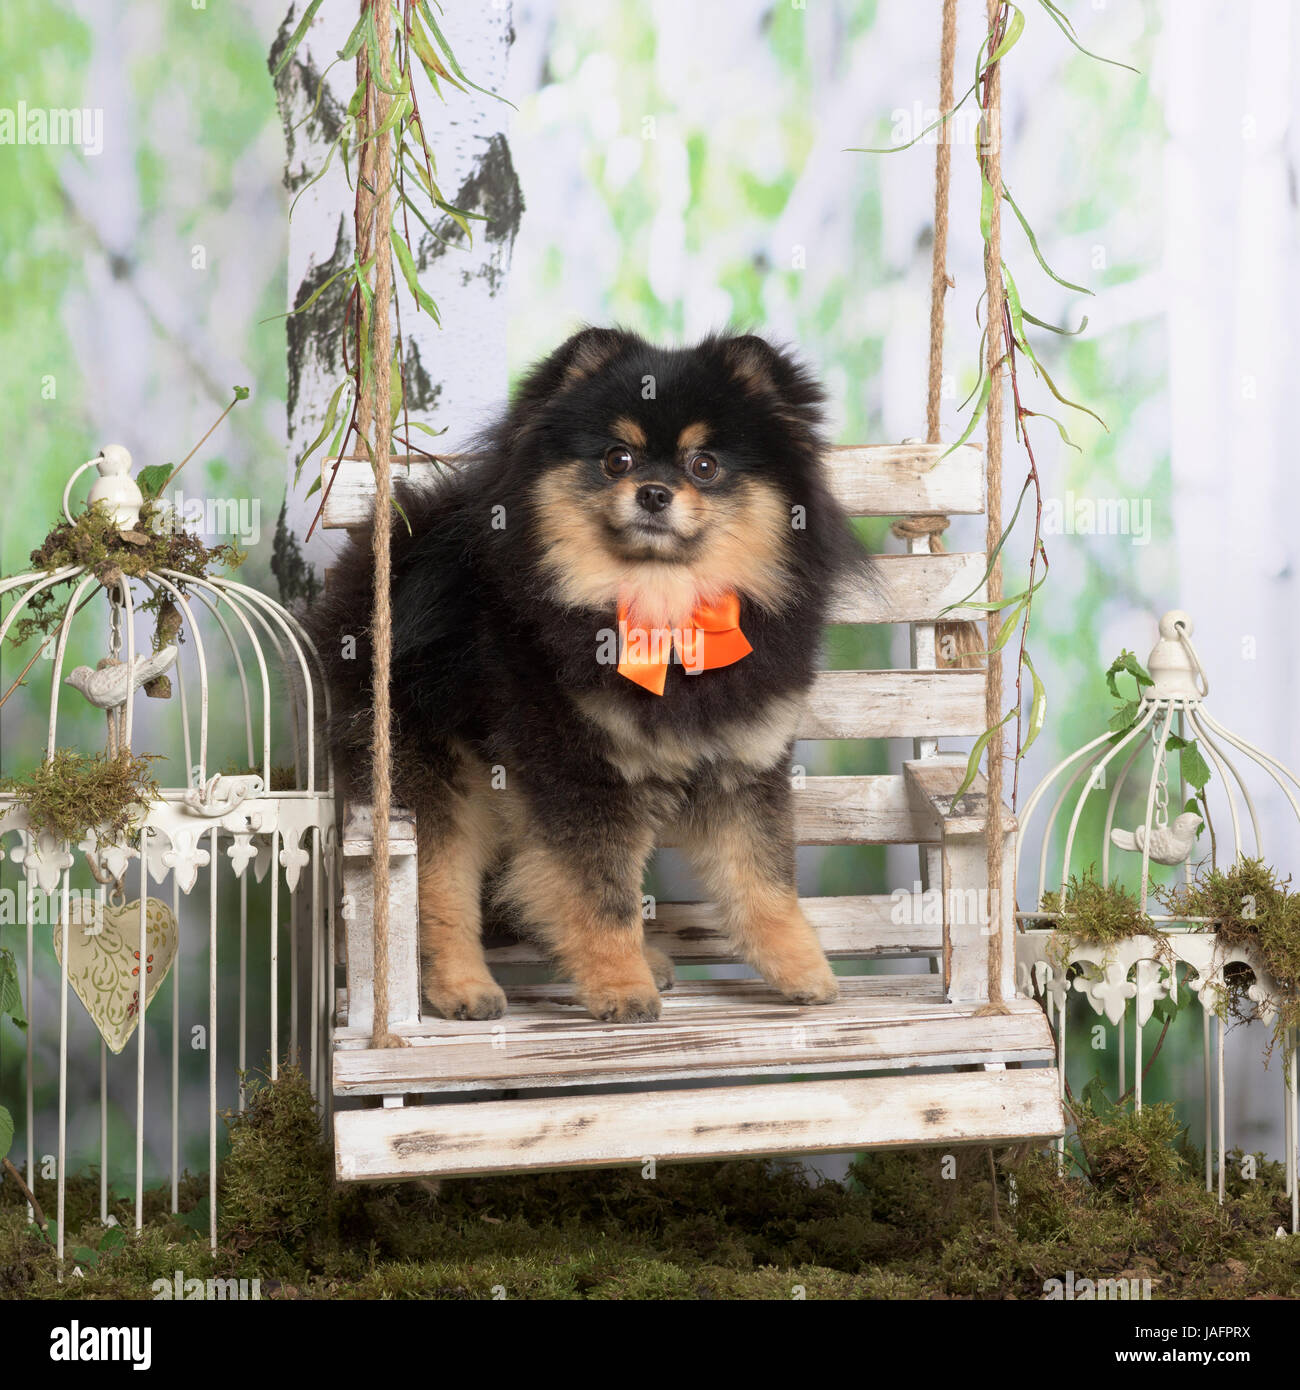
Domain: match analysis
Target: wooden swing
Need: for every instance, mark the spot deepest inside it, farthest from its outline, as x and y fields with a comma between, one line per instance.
x=914, y=1059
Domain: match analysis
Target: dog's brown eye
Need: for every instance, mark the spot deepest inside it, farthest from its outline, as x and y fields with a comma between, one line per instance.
x=619, y=461
x=704, y=467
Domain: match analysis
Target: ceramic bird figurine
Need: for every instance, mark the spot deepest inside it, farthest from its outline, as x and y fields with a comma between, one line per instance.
x=1170, y=844
x=107, y=688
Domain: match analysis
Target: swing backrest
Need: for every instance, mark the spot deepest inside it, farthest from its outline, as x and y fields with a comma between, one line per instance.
x=917, y=702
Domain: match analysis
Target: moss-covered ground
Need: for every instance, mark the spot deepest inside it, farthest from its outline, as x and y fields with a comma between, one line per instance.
x=925, y=1224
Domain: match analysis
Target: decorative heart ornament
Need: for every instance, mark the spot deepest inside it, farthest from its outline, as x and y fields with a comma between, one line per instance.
x=105, y=965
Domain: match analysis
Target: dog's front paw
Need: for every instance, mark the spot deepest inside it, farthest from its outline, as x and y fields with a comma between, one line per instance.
x=661, y=967
x=468, y=998
x=635, y=1005
x=817, y=986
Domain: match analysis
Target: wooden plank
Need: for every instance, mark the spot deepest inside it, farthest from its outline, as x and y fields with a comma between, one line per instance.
x=969, y=917
x=709, y=1027
x=714, y=1122
x=868, y=479
x=358, y=830
x=914, y=589
x=894, y=704
x=357, y=913
x=850, y=927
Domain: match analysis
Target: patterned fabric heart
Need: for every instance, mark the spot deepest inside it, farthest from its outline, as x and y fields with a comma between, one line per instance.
x=105, y=966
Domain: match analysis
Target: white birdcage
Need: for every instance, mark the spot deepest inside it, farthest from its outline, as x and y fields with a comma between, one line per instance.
x=1140, y=970
x=236, y=826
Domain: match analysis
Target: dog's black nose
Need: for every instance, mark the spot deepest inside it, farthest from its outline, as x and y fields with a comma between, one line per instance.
x=654, y=497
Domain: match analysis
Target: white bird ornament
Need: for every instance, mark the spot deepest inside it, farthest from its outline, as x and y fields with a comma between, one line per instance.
x=1170, y=844
x=108, y=687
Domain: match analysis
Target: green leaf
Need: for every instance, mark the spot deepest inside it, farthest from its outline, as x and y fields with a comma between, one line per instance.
x=1033, y=245
x=1125, y=717
x=6, y=1132
x=297, y=36
x=1037, y=706
x=992, y=560
x=153, y=479
x=1056, y=328
x=1196, y=771
x=1067, y=29
x=934, y=125
x=1126, y=663
x=316, y=177
x=407, y=263
x=1060, y=428
x=113, y=1238
x=331, y=411
x=355, y=39
x=986, y=208
x=241, y=393
x=976, y=416
x=1014, y=29
x=451, y=57
x=977, y=752
x=11, y=999
x=1095, y=1098
x=84, y=1255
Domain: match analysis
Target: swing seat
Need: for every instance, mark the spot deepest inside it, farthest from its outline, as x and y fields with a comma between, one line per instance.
x=898, y=1060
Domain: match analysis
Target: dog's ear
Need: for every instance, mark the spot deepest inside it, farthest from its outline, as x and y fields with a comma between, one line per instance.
x=769, y=374
x=576, y=359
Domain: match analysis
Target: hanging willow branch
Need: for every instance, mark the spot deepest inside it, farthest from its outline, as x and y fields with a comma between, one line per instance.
x=390, y=41
x=1010, y=614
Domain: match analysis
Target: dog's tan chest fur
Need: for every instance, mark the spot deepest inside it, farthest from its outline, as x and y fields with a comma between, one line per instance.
x=755, y=741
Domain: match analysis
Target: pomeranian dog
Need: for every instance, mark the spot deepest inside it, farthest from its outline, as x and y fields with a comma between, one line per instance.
x=605, y=626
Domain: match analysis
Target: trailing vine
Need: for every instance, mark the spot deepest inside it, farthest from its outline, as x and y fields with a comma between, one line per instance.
x=1004, y=32
x=411, y=178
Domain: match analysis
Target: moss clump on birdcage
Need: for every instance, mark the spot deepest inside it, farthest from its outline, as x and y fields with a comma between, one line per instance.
x=1251, y=906
x=73, y=792
x=95, y=542
x=1094, y=913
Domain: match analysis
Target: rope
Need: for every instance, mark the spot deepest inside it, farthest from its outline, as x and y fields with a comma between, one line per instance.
x=957, y=643
x=992, y=158
x=375, y=408
x=939, y=280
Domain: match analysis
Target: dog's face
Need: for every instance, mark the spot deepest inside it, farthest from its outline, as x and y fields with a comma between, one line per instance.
x=661, y=477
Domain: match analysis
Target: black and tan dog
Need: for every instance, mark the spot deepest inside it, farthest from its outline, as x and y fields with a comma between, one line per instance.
x=605, y=628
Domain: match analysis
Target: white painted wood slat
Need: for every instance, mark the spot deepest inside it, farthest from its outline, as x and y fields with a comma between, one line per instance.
x=894, y=704
x=850, y=927
x=914, y=589
x=716, y=1027
x=714, y=1122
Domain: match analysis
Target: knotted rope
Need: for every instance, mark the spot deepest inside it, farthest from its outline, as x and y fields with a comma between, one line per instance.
x=374, y=220
x=957, y=643
x=992, y=162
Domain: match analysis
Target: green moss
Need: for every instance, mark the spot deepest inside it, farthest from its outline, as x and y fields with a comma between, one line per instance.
x=73, y=792
x=1094, y=913
x=93, y=541
x=1254, y=907
x=920, y=1224
x=276, y=1184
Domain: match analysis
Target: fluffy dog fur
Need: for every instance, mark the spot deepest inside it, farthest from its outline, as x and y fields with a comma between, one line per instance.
x=532, y=765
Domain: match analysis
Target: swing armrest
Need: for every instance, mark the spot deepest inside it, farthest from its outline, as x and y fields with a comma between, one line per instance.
x=956, y=826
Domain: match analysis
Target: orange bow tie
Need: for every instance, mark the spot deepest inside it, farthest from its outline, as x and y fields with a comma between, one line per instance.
x=713, y=639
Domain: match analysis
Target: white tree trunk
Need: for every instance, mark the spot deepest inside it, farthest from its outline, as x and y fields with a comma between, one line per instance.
x=456, y=375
